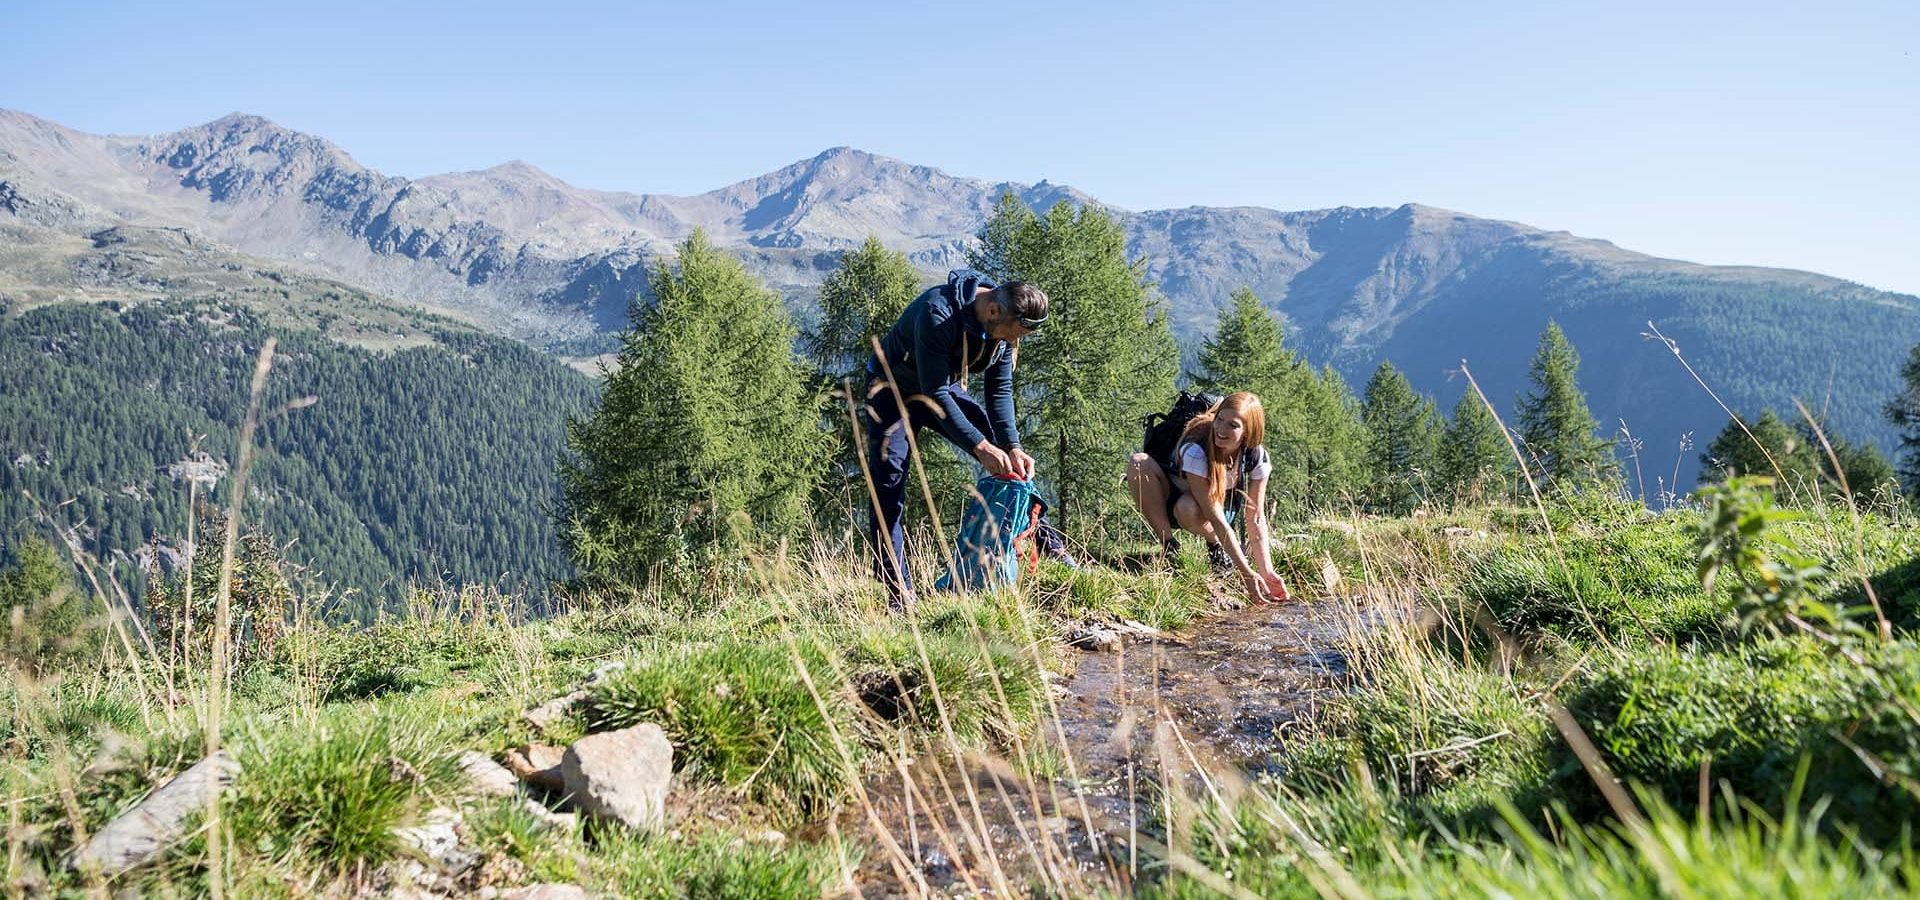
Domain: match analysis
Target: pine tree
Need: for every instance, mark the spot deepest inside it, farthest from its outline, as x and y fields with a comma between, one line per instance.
x=858, y=303
x=707, y=439
x=1765, y=446
x=1105, y=359
x=1474, y=457
x=1402, y=440
x=1903, y=412
x=47, y=622
x=1245, y=352
x=1556, y=428
x=1334, y=441
x=1868, y=471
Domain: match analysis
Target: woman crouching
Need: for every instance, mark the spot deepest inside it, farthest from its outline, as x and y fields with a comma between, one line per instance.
x=1219, y=464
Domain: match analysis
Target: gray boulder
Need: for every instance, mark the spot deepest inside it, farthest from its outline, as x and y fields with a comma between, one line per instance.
x=157, y=822
x=621, y=775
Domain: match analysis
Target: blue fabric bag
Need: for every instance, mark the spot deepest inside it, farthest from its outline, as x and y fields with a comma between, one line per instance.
x=996, y=518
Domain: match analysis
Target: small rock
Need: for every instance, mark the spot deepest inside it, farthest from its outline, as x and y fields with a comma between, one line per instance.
x=544, y=715
x=936, y=863
x=437, y=839
x=602, y=671
x=545, y=892
x=158, y=821
x=621, y=775
x=1096, y=638
x=538, y=765
x=486, y=776
x=561, y=821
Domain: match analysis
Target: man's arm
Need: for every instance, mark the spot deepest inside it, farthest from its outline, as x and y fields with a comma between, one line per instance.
x=932, y=342
x=999, y=391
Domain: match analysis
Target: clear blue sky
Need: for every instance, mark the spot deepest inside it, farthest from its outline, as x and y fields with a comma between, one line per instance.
x=1728, y=132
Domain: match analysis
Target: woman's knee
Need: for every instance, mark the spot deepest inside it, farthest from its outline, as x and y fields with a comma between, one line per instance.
x=1186, y=511
x=1141, y=467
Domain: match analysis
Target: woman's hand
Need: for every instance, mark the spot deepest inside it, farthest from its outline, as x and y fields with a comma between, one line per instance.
x=1276, y=587
x=1257, y=591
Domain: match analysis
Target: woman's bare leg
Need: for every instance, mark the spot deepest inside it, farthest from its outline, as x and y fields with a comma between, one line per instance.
x=1149, y=485
x=1187, y=510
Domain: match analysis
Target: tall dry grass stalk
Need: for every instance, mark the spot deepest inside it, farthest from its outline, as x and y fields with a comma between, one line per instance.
x=217, y=674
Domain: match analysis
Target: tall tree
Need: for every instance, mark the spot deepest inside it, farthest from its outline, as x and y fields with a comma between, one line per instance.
x=1903, y=412
x=1556, y=428
x=1402, y=439
x=1245, y=352
x=1105, y=359
x=1474, y=459
x=1333, y=442
x=1795, y=453
x=1764, y=446
x=859, y=301
x=45, y=620
x=707, y=439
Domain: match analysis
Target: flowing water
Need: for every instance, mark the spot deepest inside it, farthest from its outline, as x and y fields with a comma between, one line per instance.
x=1208, y=708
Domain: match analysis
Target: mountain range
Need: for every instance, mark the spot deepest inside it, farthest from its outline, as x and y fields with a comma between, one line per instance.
x=516, y=251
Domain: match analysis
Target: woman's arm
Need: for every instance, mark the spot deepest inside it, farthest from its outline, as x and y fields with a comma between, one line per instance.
x=1259, y=533
x=1217, y=517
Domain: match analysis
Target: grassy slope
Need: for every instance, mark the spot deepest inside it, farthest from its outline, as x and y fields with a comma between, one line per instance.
x=1440, y=772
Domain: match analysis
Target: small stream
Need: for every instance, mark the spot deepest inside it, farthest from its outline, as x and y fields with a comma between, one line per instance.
x=1210, y=708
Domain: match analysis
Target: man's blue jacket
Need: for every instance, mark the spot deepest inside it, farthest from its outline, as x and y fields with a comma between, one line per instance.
x=936, y=344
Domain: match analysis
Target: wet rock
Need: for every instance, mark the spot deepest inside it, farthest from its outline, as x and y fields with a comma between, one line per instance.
x=936, y=864
x=488, y=777
x=158, y=821
x=437, y=840
x=542, y=717
x=1094, y=638
x=538, y=765
x=621, y=775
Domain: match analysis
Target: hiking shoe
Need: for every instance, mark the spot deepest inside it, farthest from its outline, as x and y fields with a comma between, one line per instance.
x=1218, y=560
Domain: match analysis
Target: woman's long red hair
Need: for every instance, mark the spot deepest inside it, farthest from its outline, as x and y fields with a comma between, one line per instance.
x=1200, y=431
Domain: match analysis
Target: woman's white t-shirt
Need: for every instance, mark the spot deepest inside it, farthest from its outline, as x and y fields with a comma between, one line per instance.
x=1193, y=460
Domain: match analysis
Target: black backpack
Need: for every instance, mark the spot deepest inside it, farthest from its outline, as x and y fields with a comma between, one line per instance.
x=1162, y=431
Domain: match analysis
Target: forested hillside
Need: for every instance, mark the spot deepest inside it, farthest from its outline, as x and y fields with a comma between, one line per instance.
x=417, y=464
x=1834, y=347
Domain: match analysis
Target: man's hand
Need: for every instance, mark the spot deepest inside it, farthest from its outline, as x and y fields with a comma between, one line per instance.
x=1276, y=587
x=1022, y=463
x=994, y=458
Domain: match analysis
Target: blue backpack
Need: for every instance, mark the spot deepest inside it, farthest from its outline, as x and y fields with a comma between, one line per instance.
x=996, y=518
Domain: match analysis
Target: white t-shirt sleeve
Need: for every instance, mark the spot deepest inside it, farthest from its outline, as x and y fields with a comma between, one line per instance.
x=1193, y=460
x=1264, y=469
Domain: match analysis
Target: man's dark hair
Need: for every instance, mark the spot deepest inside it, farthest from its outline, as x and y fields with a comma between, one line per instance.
x=1025, y=301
